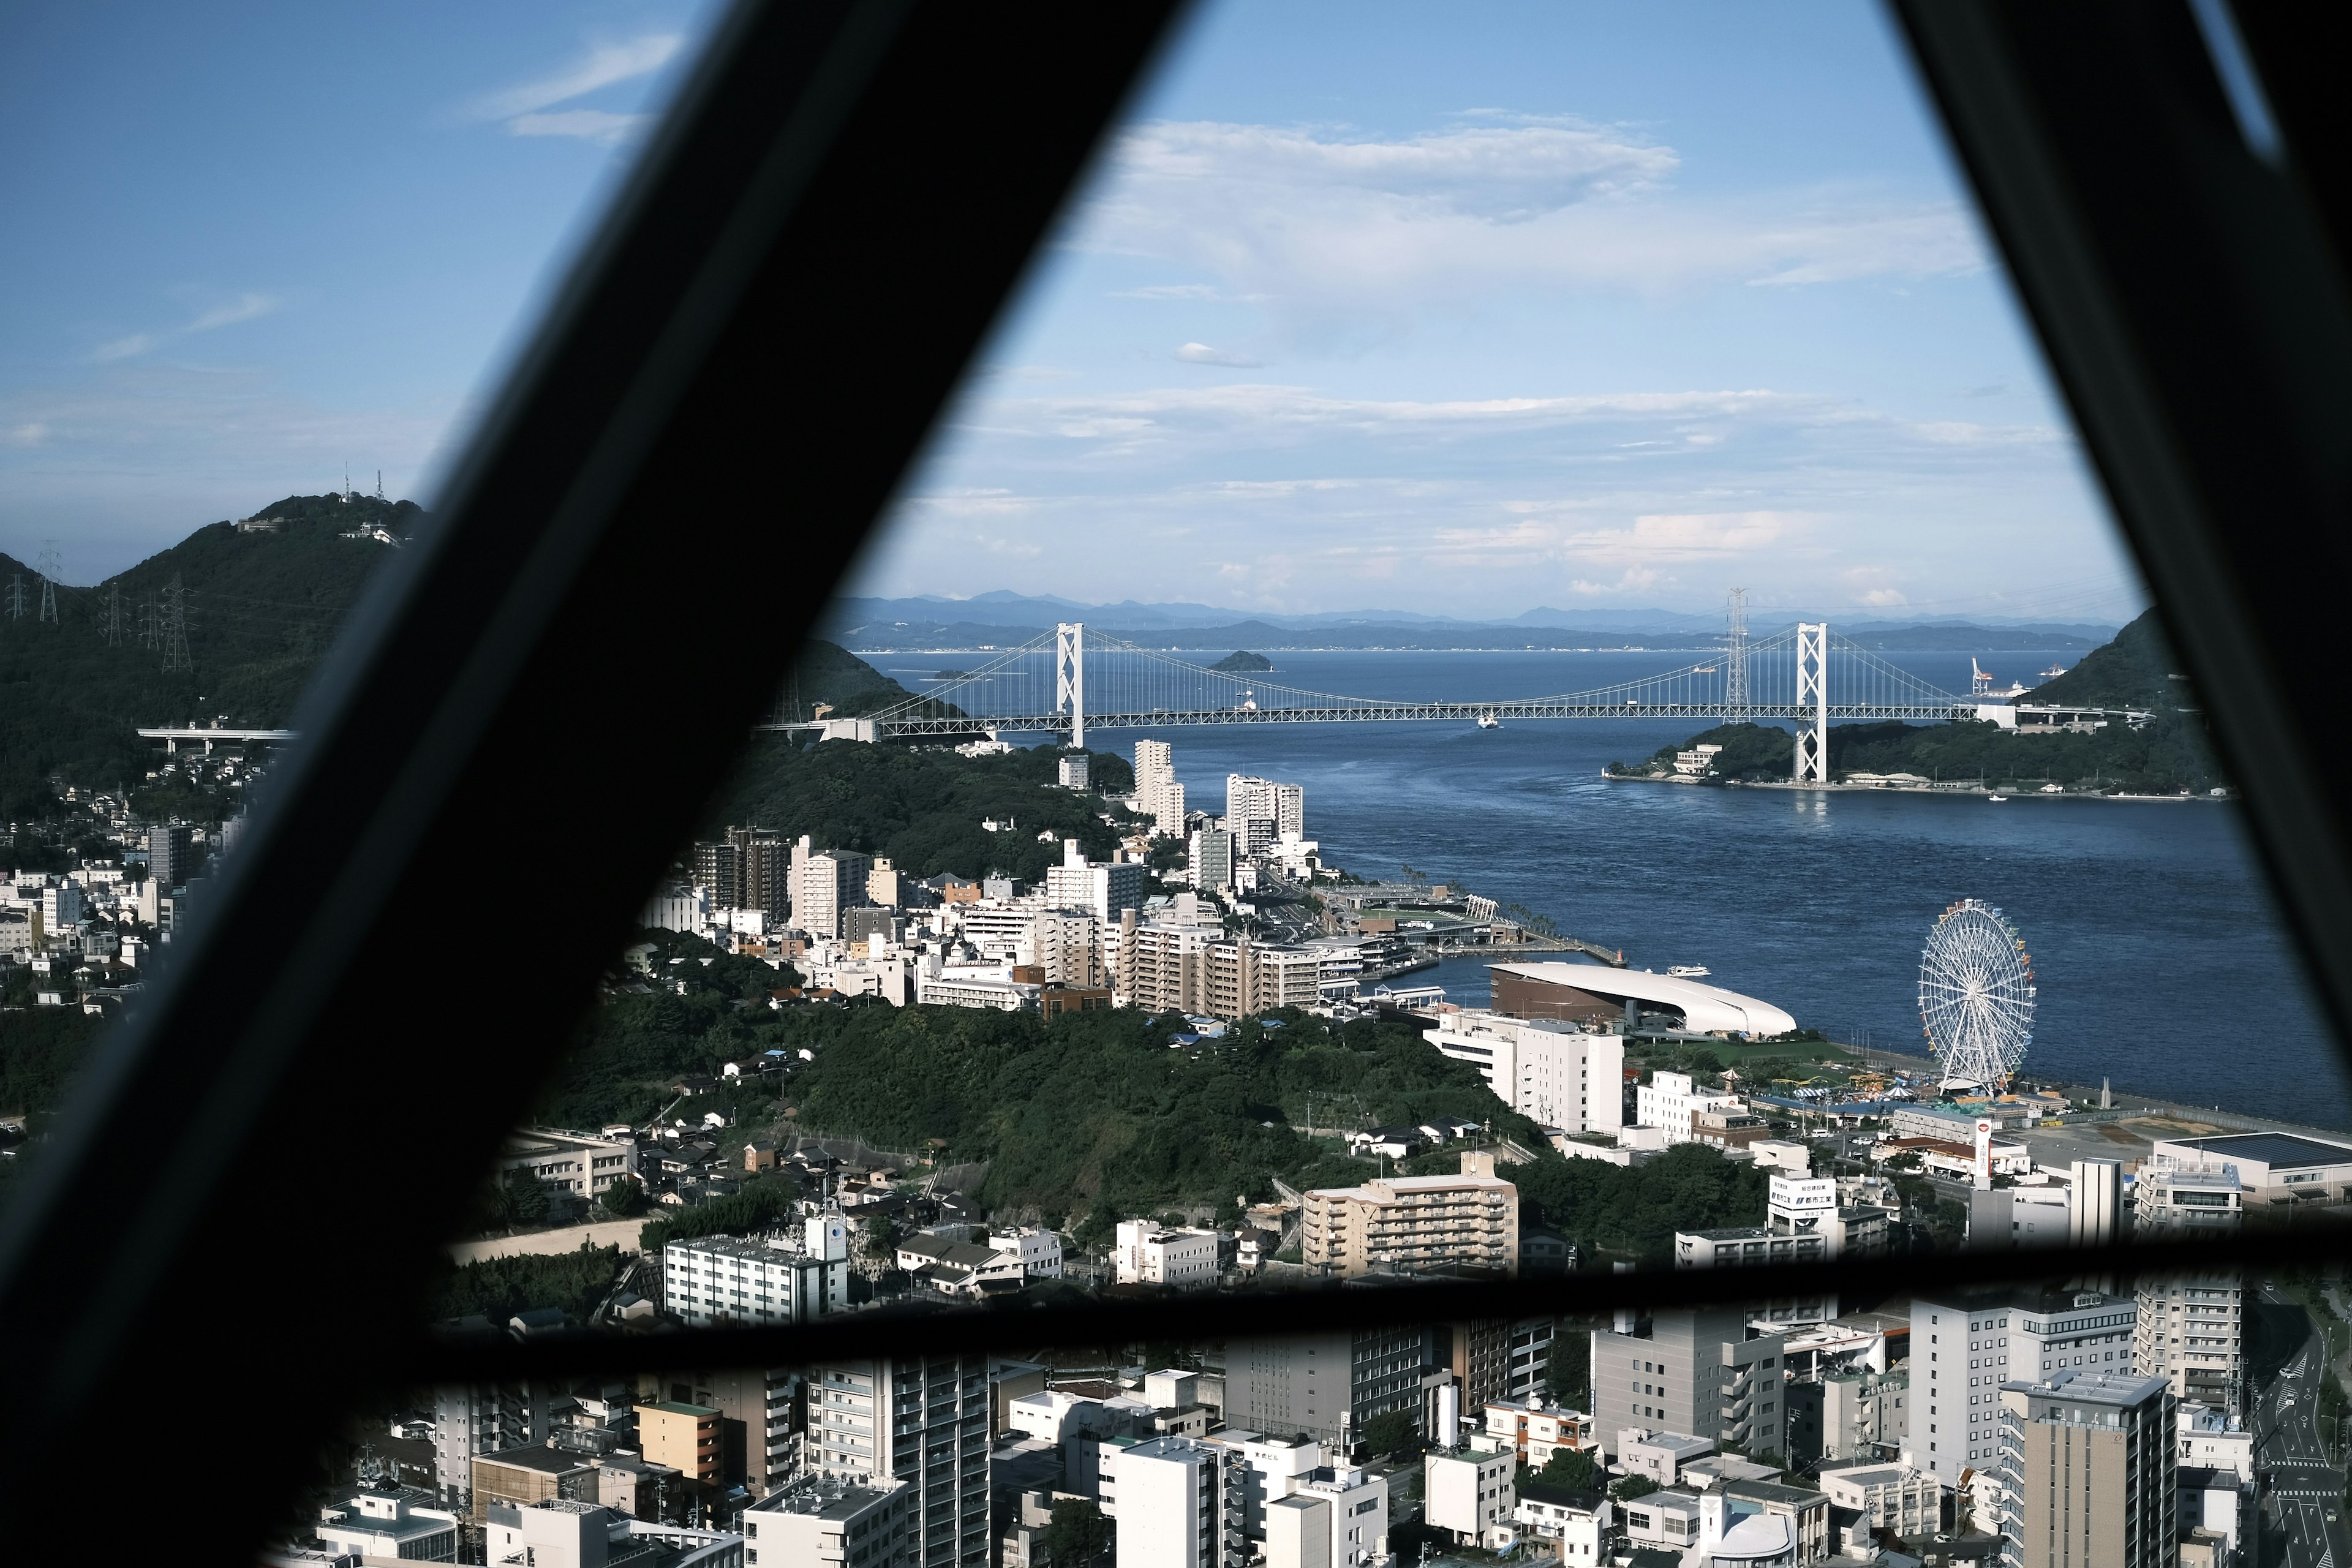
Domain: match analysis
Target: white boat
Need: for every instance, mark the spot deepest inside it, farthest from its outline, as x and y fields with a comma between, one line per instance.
x=1996, y=799
x=2053, y=669
x=1488, y=721
x=2053, y=789
x=1687, y=971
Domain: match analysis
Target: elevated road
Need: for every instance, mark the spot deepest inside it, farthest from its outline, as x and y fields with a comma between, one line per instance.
x=888, y=726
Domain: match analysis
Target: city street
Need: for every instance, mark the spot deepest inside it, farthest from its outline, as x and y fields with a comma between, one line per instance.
x=2305, y=1493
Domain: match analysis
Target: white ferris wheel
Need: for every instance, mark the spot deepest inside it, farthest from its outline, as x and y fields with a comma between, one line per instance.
x=1976, y=996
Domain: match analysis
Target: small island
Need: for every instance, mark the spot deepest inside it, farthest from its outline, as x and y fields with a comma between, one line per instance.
x=952, y=675
x=1238, y=662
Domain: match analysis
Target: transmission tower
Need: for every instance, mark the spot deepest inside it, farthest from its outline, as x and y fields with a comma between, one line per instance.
x=1735, y=665
x=15, y=596
x=149, y=624
x=174, y=628
x=47, y=567
x=114, y=615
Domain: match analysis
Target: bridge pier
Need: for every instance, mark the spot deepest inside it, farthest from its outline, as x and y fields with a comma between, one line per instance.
x=1813, y=682
x=1070, y=678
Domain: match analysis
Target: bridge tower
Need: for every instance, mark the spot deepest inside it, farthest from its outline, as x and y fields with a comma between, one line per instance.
x=1813, y=685
x=1735, y=663
x=1070, y=676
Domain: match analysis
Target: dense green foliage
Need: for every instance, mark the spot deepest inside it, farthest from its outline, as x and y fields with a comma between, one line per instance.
x=923, y=806
x=1634, y=1211
x=40, y=1051
x=1393, y=1432
x=1241, y=661
x=1096, y=1113
x=1575, y=1468
x=498, y=1287
x=261, y=610
x=2135, y=670
x=1077, y=1534
x=763, y=1204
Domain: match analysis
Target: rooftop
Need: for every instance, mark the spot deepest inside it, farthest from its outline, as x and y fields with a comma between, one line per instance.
x=826, y=1497
x=553, y=1461
x=2279, y=1150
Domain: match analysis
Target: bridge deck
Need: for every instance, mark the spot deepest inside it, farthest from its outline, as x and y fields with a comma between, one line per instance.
x=1407, y=712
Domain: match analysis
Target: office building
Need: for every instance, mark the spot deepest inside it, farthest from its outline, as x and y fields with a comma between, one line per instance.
x=1326, y=1387
x=922, y=1420
x=1538, y=1431
x=1695, y=1371
x=1337, y=1517
x=1863, y=1410
x=719, y=1281
x=1552, y=1072
x=2280, y=1174
x=830, y=1522
x=569, y=1162
x=1181, y=1505
x=518, y=1478
x=1965, y=1345
x=2089, y=1473
x=823, y=884
x=1403, y=1224
x=1671, y=1103
x=1149, y=1253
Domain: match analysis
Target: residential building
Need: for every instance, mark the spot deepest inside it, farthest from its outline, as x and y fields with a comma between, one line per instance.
x=1863, y=1410
x=1272, y=1466
x=169, y=858
x=1211, y=859
x=1695, y=1371
x=1663, y=1521
x=1241, y=979
x=1101, y=889
x=684, y=1437
x=1038, y=1249
x=470, y=1419
x=749, y=869
x=388, y=1521
x=522, y=1476
x=759, y=1443
x=1163, y=963
x=1468, y=1492
x=1576, y=1525
x=823, y=884
x=2173, y=1202
x=569, y=1162
x=1149, y=1253
x=819, y=1520
x=1553, y=1072
x=1337, y=1517
x=1408, y=1224
x=922, y=1420
x=1528, y=1366
x=717, y=1280
x=2094, y=1203
x=1670, y=1100
x=1157, y=794
x=1073, y=770
x=2190, y=1330
x=887, y=886
x=1660, y=1456
x=951, y=988
x=2210, y=1440
x=1249, y=799
x=1326, y=1387
x=1806, y=1510
x=2088, y=1473
x=1899, y=1497
x=1180, y=1505
x=1966, y=1344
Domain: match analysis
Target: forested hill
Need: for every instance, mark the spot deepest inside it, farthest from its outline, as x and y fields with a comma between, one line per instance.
x=2135, y=670
x=262, y=605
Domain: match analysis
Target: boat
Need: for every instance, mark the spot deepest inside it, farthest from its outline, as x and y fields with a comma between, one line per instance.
x=1996, y=799
x=1705, y=669
x=2053, y=669
x=1488, y=721
x=1687, y=971
x=2053, y=789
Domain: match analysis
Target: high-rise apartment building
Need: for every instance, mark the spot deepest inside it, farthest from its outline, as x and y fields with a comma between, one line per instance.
x=1695, y=1371
x=1157, y=794
x=1101, y=889
x=1073, y=770
x=829, y=1521
x=1551, y=1071
x=1965, y=1345
x=1328, y=1386
x=823, y=884
x=2190, y=1332
x=1404, y=1224
x=168, y=856
x=2087, y=1472
x=1258, y=811
x=1181, y=1504
x=749, y=869
x=922, y=1420
x=1242, y=978
x=758, y=1447
x=1211, y=859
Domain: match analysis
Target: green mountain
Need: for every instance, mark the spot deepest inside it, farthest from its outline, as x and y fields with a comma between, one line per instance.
x=2135, y=670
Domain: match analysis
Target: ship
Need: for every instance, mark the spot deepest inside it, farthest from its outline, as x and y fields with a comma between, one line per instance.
x=1488, y=721
x=1996, y=799
x=2053, y=669
x=1688, y=971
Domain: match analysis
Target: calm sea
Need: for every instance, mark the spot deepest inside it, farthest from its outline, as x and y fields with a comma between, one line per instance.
x=2159, y=958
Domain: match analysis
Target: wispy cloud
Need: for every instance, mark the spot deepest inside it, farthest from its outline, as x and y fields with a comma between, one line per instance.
x=32, y=433
x=521, y=108
x=1202, y=354
x=137, y=344
x=244, y=308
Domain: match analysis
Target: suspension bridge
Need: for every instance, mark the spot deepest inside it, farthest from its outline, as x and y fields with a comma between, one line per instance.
x=1070, y=680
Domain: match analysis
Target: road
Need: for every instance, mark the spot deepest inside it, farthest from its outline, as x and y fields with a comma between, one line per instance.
x=2305, y=1503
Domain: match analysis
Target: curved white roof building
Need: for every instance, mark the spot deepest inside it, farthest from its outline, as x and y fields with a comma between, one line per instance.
x=1595, y=992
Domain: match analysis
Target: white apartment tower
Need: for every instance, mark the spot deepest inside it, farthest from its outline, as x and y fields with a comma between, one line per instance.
x=1259, y=811
x=1100, y=888
x=922, y=1420
x=1180, y=1505
x=1540, y=1067
x=1157, y=793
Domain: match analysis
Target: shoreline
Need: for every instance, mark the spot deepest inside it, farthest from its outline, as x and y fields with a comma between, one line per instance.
x=1970, y=792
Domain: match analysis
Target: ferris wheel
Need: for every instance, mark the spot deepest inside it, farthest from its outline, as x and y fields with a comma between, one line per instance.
x=1976, y=996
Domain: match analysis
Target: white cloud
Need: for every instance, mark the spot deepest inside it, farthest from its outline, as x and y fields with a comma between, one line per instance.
x=1202, y=354
x=1202, y=291
x=246, y=308
x=599, y=68
x=32, y=433
x=1318, y=222
x=137, y=344
x=587, y=124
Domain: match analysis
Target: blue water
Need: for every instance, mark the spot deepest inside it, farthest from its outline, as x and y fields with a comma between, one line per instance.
x=2159, y=957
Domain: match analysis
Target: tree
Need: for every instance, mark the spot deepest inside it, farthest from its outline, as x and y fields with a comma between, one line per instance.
x=1575, y=1468
x=1565, y=1377
x=1077, y=1534
x=623, y=1199
x=1391, y=1432
x=1630, y=1487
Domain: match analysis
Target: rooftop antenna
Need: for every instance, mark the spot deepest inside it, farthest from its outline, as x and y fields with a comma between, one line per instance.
x=47, y=567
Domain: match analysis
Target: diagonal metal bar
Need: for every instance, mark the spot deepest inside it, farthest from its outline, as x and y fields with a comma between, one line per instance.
x=743, y=367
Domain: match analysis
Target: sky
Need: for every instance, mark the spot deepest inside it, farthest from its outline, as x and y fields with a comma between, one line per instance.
x=1456, y=310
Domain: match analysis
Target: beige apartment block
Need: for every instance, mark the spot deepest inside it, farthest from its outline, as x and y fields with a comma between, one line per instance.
x=1401, y=1225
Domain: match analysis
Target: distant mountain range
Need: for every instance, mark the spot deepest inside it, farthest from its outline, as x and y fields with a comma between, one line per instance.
x=1001, y=617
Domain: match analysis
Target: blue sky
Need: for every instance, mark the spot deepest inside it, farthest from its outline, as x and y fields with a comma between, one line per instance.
x=1461, y=309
